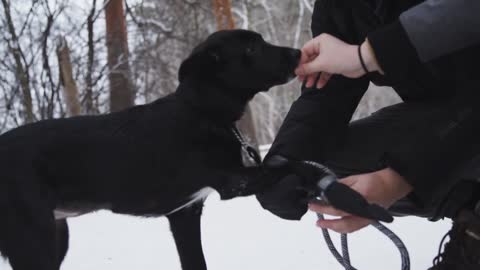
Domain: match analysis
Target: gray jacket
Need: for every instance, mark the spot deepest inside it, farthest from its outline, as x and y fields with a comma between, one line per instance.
x=435, y=46
x=439, y=27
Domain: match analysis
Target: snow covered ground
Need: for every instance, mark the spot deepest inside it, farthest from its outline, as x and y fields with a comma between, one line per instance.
x=239, y=234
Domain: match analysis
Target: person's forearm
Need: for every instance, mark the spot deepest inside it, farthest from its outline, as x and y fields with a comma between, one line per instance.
x=316, y=122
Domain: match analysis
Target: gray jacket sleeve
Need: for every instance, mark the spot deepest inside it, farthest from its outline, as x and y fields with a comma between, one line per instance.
x=423, y=33
x=439, y=27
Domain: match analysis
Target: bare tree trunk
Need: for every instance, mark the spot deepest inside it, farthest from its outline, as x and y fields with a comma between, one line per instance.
x=89, y=108
x=223, y=14
x=121, y=90
x=46, y=66
x=224, y=17
x=20, y=69
x=69, y=87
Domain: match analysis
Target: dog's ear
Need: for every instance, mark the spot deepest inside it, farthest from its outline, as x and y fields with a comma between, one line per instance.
x=203, y=61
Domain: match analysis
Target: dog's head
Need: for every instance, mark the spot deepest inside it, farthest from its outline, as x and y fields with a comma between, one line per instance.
x=239, y=60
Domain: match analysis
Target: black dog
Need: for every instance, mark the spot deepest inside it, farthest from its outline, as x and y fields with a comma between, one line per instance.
x=159, y=159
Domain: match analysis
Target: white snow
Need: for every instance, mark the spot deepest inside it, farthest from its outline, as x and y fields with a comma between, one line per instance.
x=239, y=234
x=156, y=23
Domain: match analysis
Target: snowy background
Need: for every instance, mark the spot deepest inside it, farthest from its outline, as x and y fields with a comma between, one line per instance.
x=237, y=234
x=240, y=235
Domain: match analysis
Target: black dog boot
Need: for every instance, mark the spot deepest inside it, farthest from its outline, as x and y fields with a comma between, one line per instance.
x=462, y=252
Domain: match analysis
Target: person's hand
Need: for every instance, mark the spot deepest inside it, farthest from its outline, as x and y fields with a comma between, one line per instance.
x=326, y=55
x=383, y=187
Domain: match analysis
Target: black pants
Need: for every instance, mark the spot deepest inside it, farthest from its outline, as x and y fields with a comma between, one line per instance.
x=398, y=128
x=317, y=128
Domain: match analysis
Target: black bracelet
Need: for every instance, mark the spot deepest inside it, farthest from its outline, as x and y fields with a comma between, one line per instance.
x=361, y=59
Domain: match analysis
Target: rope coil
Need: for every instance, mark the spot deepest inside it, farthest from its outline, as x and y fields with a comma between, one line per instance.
x=344, y=259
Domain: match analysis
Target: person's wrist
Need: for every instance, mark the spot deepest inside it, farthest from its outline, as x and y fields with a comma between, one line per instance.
x=369, y=57
x=397, y=185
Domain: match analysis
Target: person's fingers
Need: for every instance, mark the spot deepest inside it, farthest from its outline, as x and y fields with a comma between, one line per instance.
x=311, y=48
x=324, y=78
x=326, y=209
x=346, y=224
x=311, y=80
x=306, y=57
x=314, y=66
x=309, y=53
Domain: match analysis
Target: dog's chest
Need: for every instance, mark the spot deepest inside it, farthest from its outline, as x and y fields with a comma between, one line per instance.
x=64, y=213
x=69, y=210
x=153, y=209
x=198, y=196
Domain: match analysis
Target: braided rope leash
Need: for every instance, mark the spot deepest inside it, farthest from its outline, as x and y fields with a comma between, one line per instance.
x=344, y=259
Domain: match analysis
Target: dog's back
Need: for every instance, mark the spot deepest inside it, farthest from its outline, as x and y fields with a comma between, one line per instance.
x=148, y=160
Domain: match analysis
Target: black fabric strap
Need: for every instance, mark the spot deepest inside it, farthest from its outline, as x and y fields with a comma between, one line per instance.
x=361, y=59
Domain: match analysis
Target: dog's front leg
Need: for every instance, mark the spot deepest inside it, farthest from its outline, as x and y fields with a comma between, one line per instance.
x=185, y=226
